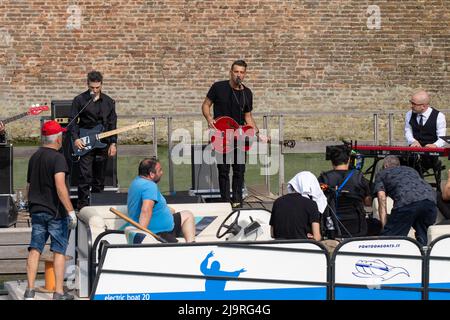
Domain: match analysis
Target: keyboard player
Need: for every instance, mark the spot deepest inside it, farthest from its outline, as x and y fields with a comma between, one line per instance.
x=423, y=127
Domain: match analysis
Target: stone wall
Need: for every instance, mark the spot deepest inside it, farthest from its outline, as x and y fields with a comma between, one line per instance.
x=160, y=57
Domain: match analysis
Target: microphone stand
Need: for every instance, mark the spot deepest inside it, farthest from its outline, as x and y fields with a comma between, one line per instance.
x=84, y=107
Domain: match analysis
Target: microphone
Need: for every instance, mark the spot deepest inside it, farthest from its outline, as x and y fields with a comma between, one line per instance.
x=94, y=97
x=238, y=81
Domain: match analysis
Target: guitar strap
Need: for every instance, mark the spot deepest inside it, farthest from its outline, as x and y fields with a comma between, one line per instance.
x=338, y=190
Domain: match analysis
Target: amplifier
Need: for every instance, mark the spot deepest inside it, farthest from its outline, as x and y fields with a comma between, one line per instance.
x=62, y=120
x=61, y=110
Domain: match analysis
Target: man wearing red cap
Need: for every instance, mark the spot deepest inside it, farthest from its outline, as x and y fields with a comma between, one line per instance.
x=52, y=213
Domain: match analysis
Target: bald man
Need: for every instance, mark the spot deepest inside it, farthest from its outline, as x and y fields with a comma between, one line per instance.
x=424, y=124
x=423, y=127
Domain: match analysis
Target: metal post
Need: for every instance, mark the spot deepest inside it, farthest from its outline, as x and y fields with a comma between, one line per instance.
x=281, y=157
x=375, y=129
x=169, y=139
x=266, y=157
x=155, y=139
x=391, y=128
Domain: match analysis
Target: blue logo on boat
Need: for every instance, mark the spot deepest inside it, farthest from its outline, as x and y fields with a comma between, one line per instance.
x=377, y=269
x=214, y=270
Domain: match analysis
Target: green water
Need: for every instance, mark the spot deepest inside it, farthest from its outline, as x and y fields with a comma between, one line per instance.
x=127, y=170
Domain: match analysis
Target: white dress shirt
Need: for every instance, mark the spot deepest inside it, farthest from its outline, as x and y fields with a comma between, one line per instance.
x=441, y=126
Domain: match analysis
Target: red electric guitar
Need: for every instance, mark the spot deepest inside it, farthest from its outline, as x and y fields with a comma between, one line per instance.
x=34, y=110
x=230, y=135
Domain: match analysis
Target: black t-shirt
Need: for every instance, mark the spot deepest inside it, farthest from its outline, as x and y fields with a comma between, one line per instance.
x=42, y=195
x=350, y=204
x=230, y=102
x=356, y=187
x=292, y=216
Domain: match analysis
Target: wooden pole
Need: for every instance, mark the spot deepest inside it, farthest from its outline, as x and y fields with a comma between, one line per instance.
x=137, y=225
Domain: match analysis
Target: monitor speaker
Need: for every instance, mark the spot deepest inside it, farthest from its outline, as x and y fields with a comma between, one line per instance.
x=6, y=169
x=8, y=211
x=108, y=198
x=204, y=169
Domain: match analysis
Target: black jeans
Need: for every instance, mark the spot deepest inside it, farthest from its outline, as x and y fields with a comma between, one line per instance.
x=236, y=160
x=92, y=174
x=419, y=215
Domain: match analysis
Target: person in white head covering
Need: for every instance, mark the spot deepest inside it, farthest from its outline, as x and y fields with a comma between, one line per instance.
x=308, y=186
x=296, y=215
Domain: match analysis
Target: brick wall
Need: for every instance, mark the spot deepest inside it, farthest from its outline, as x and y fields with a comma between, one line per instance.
x=160, y=57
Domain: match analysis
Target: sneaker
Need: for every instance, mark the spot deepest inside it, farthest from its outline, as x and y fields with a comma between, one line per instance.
x=29, y=294
x=60, y=296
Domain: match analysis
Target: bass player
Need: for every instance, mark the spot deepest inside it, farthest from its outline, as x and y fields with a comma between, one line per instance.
x=93, y=107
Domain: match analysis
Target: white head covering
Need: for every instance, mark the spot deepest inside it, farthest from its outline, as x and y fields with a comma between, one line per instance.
x=307, y=185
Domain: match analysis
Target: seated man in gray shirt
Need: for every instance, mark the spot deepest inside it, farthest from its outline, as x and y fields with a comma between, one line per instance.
x=414, y=200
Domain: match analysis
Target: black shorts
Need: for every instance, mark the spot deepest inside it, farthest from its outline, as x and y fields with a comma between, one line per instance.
x=172, y=236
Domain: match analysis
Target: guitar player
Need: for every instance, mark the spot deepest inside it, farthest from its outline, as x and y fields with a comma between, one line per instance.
x=233, y=99
x=93, y=107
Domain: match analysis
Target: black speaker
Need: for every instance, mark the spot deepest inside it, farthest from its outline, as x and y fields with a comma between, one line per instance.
x=108, y=198
x=182, y=197
x=6, y=169
x=61, y=111
x=8, y=211
x=204, y=169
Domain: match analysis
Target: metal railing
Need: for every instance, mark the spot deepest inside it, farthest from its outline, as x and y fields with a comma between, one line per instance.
x=280, y=118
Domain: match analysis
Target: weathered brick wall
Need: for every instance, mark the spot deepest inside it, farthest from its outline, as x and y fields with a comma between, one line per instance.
x=160, y=57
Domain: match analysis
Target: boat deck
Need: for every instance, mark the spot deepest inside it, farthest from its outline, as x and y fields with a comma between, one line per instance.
x=16, y=289
x=14, y=242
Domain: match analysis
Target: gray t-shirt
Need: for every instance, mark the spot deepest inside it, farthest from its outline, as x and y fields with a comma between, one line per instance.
x=404, y=185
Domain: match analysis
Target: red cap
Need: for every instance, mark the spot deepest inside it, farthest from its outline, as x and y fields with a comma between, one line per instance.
x=51, y=127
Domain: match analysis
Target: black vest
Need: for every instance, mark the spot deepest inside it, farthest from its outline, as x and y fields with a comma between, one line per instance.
x=427, y=133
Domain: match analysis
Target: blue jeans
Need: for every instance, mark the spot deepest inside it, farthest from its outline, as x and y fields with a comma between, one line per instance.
x=44, y=225
x=419, y=215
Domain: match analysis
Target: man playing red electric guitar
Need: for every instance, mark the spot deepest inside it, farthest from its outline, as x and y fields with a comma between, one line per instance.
x=231, y=98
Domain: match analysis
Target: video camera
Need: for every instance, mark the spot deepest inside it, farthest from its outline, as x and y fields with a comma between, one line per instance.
x=356, y=159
